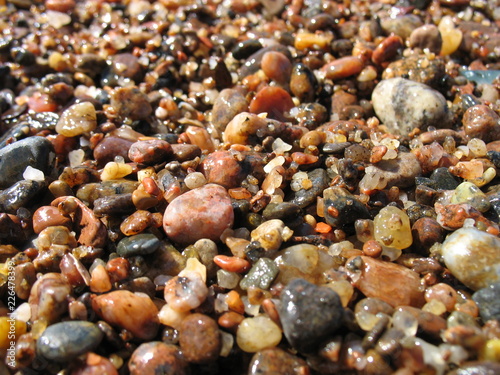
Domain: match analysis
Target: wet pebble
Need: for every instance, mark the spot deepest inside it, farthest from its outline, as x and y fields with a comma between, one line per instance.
x=62, y=342
x=47, y=216
x=93, y=364
x=126, y=65
x=140, y=244
x=472, y=256
x=204, y=212
x=403, y=105
x=309, y=314
x=283, y=211
x=200, y=339
x=304, y=197
x=341, y=207
x=419, y=68
x=426, y=232
x=303, y=83
x=257, y=333
x=152, y=151
x=36, y=152
x=156, y=357
x=480, y=121
x=49, y=297
x=277, y=361
x=114, y=205
x=273, y=100
x=402, y=26
x=133, y=312
x=110, y=147
x=78, y=119
x=228, y=104
x=277, y=67
x=222, y=168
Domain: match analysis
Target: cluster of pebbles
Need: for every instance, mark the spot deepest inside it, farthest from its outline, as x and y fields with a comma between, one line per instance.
x=249, y=187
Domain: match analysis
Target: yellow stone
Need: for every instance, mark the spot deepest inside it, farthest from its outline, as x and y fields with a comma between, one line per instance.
x=257, y=333
x=490, y=351
x=392, y=228
x=10, y=330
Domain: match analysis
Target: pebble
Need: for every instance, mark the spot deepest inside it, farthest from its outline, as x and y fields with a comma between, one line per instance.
x=114, y=205
x=426, y=232
x=78, y=119
x=392, y=228
x=126, y=65
x=184, y=293
x=309, y=314
x=303, y=83
x=400, y=172
x=429, y=325
x=140, y=244
x=228, y=104
x=253, y=62
x=375, y=278
x=261, y=275
x=480, y=121
x=36, y=152
x=242, y=129
x=62, y=342
x=341, y=207
x=403, y=105
x=271, y=234
x=93, y=364
x=282, y=211
x=277, y=67
x=472, y=256
x=343, y=67
x=150, y=152
x=48, y=297
x=204, y=212
x=20, y=194
x=418, y=68
x=277, y=361
x=47, y=216
x=257, y=333
x=273, y=100
x=223, y=168
x=488, y=301
x=304, y=197
x=130, y=102
x=469, y=193
x=200, y=339
x=426, y=36
x=111, y=147
x=156, y=357
x=402, y=26
x=133, y=312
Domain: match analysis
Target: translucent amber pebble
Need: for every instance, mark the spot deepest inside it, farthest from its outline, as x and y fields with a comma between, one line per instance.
x=452, y=37
x=491, y=351
x=78, y=119
x=392, y=228
x=113, y=171
x=257, y=333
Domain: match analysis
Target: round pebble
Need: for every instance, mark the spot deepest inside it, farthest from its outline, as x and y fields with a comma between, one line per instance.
x=204, y=212
x=156, y=357
x=78, y=119
x=403, y=105
x=62, y=342
x=140, y=244
x=200, y=339
x=257, y=333
x=472, y=256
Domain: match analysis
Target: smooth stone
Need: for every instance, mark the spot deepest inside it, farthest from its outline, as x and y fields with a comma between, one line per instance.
x=276, y=361
x=200, y=339
x=203, y=212
x=488, y=301
x=444, y=180
x=283, y=211
x=403, y=105
x=136, y=313
x=402, y=26
x=114, y=205
x=305, y=197
x=131, y=102
x=20, y=195
x=62, y=342
x=473, y=257
x=151, y=151
x=36, y=152
x=309, y=314
x=228, y=104
x=469, y=193
x=419, y=69
x=110, y=147
x=375, y=278
x=140, y=244
x=92, y=191
x=78, y=119
x=156, y=357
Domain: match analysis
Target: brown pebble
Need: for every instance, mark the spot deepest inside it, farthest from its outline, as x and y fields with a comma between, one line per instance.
x=277, y=67
x=47, y=216
x=136, y=223
x=230, y=320
x=277, y=361
x=151, y=151
x=480, y=121
x=135, y=313
x=426, y=36
x=184, y=152
x=200, y=339
x=388, y=49
x=372, y=248
x=343, y=68
x=444, y=293
x=426, y=232
x=118, y=269
x=222, y=168
x=130, y=102
x=272, y=100
x=110, y=147
x=93, y=364
x=153, y=358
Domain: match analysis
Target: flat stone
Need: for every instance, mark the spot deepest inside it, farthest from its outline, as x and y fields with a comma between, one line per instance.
x=140, y=244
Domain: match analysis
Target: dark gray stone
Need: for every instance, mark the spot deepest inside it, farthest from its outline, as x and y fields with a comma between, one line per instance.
x=309, y=314
x=303, y=197
x=140, y=244
x=20, y=195
x=36, y=152
x=61, y=342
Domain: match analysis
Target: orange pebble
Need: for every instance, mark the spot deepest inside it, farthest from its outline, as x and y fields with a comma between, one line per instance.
x=230, y=320
x=372, y=248
x=323, y=227
x=150, y=186
x=234, y=302
x=232, y=264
